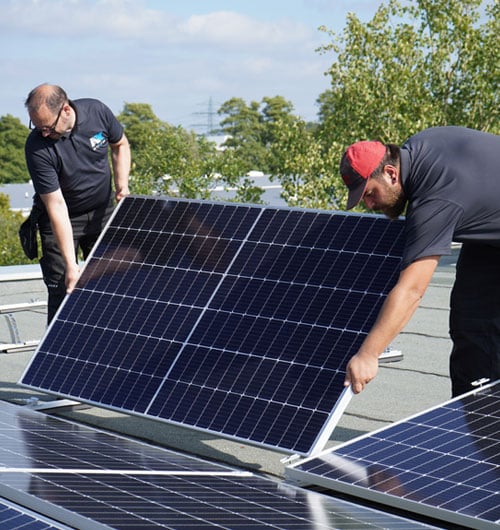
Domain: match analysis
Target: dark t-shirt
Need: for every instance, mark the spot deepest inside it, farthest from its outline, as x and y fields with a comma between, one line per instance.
x=451, y=176
x=78, y=162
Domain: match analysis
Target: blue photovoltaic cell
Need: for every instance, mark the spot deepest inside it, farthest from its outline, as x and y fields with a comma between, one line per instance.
x=94, y=480
x=443, y=463
x=236, y=319
x=14, y=517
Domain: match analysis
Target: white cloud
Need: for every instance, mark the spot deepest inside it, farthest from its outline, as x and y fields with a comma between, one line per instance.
x=231, y=27
x=170, y=55
x=133, y=20
x=83, y=18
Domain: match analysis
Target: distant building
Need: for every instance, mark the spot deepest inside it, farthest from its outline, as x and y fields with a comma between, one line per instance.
x=218, y=139
x=20, y=196
x=271, y=195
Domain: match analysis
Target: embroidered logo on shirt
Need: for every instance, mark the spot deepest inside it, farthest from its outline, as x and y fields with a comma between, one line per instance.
x=97, y=141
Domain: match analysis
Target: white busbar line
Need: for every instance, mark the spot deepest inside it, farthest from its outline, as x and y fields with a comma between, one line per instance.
x=40, y=470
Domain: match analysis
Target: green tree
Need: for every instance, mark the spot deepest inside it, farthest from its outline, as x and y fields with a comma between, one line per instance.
x=463, y=60
x=304, y=168
x=275, y=111
x=173, y=161
x=423, y=64
x=11, y=252
x=165, y=159
x=427, y=63
x=251, y=128
x=12, y=138
x=243, y=126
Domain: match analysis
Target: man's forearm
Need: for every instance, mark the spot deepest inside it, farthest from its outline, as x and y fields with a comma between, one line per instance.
x=399, y=306
x=121, y=160
x=63, y=233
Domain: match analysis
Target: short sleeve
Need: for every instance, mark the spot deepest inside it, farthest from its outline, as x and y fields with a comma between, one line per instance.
x=115, y=129
x=42, y=166
x=430, y=227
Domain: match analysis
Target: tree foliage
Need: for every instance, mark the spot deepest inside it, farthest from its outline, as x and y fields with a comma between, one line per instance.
x=250, y=129
x=11, y=252
x=427, y=63
x=166, y=159
x=304, y=168
x=12, y=162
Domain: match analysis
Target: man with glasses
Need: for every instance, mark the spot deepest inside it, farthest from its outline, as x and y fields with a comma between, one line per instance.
x=67, y=157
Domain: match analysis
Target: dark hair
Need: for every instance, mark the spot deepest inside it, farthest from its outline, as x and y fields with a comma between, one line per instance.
x=52, y=96
x=392, y=157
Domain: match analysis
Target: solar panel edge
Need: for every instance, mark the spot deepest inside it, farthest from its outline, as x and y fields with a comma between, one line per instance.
x=29, y=518
x=305, y=477
x=302, y=479
x=60, y=515
x=61, y=307
x=394, y=424
x=30, y=412
x=399, y=422
x=284, y=449
x=329, y=426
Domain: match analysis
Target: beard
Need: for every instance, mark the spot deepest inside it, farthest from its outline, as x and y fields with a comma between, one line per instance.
x=394, y=210
x=395, y=203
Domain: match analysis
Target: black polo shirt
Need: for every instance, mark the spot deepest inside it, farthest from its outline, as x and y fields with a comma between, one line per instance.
x=451, y=176
x=77, y=163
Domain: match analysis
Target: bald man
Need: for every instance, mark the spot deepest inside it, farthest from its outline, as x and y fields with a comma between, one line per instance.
x=67, y=154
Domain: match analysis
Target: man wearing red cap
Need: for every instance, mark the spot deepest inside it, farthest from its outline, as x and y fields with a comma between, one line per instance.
x=448, y=179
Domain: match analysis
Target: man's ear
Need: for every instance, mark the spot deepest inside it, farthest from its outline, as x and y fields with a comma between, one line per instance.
x=392, y=172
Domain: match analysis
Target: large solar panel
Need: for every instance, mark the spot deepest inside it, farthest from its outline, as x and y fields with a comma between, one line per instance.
x=443, y=463
x=93, y=480
x=233, y=319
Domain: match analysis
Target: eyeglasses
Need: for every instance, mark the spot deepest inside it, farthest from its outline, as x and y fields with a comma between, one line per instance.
x=47, y=129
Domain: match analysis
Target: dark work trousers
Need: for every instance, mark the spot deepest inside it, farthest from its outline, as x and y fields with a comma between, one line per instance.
x=86, y=230
x=475, y=317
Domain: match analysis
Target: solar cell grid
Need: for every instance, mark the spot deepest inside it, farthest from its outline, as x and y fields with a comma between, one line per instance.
x=13, y=517
x=250, y=314
x=93, y=480
x=443, y=463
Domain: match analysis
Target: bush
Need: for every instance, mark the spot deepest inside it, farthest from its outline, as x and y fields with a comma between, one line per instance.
x=11, y=252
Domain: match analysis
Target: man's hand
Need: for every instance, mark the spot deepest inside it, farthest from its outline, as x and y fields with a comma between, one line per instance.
x=121, y=193
x=72, y=275
x=361, y=369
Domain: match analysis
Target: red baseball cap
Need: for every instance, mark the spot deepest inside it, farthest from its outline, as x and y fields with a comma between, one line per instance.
x=358, y=163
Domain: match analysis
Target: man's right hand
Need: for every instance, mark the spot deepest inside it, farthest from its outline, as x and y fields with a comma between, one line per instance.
x=72, y=275
x=361, y=369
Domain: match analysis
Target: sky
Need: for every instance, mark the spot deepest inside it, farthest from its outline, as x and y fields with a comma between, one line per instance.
x=183, y=57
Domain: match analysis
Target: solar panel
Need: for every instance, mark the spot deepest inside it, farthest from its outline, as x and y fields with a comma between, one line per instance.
x=13, y=517
x=233, y=319
x=443, y=463
x=90, y=479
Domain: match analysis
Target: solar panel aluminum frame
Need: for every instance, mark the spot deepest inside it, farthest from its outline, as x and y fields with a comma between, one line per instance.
x=358, y=473
x=26, y=519
x=332, y=415
x=51, y=511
